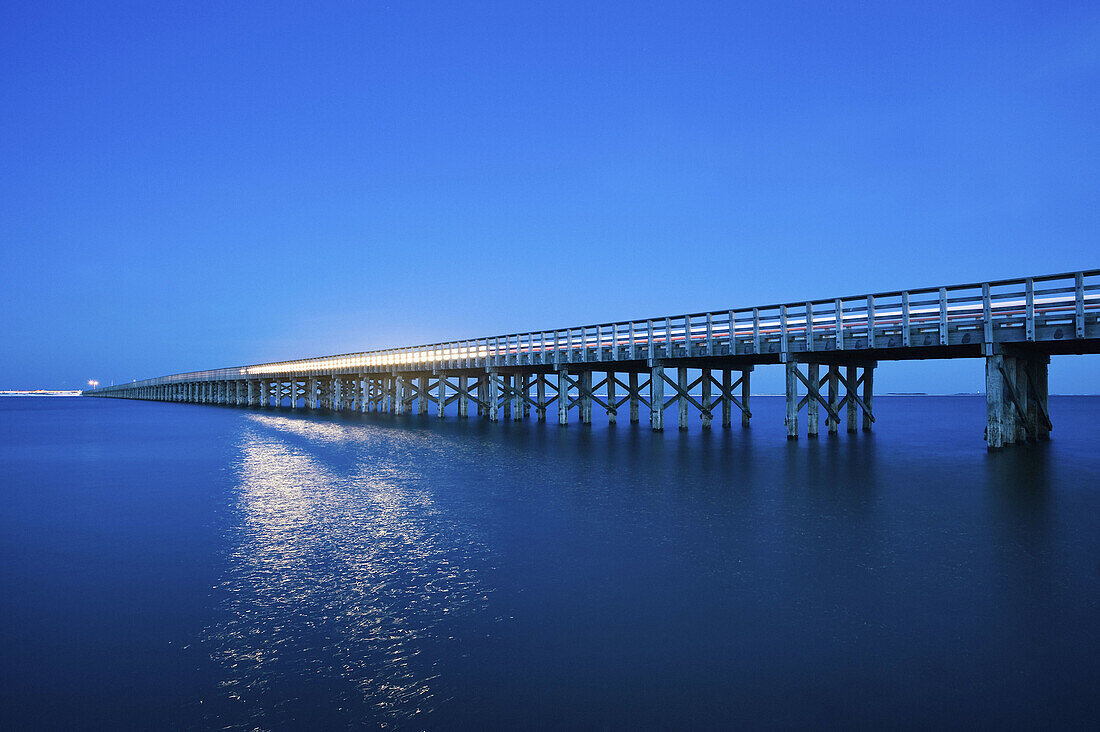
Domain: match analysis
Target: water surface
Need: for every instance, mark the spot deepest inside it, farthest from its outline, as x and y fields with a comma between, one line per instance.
x=191, y=566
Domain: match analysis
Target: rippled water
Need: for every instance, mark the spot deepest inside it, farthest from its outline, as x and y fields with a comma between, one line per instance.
x=200, y=567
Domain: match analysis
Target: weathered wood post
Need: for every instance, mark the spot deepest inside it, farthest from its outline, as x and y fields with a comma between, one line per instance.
x=791, y=419
x=851, y=396
x=834, y=398
x=1025, y=429
x=506, y=394
x=994, y=402
x=1008, y=409
x=812, y=404
x=868, y=396
x=611, y=409
x=540, y=396
x=706, y=415
x=745, y=374
x=441, y=395
x=463, y=398
x=519, y=382
x=727, y=403
x=1042, y=399
x=632, y=381
x=563, y=396
x=494, y=397
x=422, y=396
x=585, y=394
x=657, y=397
x=681, y=396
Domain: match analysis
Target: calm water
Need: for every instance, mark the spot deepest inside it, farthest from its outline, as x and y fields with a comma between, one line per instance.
x=189, y=566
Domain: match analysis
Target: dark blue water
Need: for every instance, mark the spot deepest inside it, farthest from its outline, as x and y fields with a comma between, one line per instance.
x=187, y=566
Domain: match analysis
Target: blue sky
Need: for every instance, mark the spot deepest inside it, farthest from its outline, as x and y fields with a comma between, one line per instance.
x=197, y=185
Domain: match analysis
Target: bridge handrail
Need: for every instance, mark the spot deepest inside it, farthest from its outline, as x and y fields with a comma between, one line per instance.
x=1066, y=295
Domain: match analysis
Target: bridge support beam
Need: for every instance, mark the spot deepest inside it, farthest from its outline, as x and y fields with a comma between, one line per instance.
x=834, y=399
x=791, y=418
x=494, y=397
x=812, y=406
x=612, y=411
x=657, y=398
x=563, y=397
x=519, y=394
x=584, y=394
x=540, y=396
x=707, y=414
x=463, y=398
x=632, y=386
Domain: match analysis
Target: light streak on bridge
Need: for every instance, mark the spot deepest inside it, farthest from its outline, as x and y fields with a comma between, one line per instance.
x=1015, y=325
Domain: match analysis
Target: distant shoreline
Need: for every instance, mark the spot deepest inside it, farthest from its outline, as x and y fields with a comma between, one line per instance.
x=41, y=392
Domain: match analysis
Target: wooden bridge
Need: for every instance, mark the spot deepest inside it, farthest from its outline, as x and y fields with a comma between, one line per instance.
x=829, y=349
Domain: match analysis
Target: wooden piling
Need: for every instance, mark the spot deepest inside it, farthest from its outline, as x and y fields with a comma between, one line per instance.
x=868, y=397
x=745, y=374
x=994, y=402
x=657, y=398
x=563, y=397
x=834, y=399
x=812, y=404
x=791, y=419
x=681, y=398
x=632, y=382
x=707, y=414
x=611, y=411
x=850, y=373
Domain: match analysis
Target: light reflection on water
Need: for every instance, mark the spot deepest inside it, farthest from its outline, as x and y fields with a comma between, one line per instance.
x=338, y=571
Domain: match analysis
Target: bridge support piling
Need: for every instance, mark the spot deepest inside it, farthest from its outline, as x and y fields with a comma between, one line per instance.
x=563, y=397
x=632, y=382
x=745, y=413
x=1008, y=414
x=812, y=404
x=399, y=394
x=850, y=386
x=1025, y=426
x=463, y=398
x=525, y=390
x=657, y=398
x=519, y=388
x=584, y=394
x=834, y=399
x=681, y=397
x=994, y=401
x=868, y=397
x=422, y=396
x=1042, y=402
x=540, y=396
x=727, y=403
x=791, y=419
x=494, y=397
x=706, y=414
x=612, y=412
x=441, y=396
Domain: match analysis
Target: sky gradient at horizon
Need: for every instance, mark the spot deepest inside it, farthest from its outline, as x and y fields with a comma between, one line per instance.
x=190, y=186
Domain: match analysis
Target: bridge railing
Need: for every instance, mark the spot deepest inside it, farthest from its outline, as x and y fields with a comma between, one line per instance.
x=977, y=312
